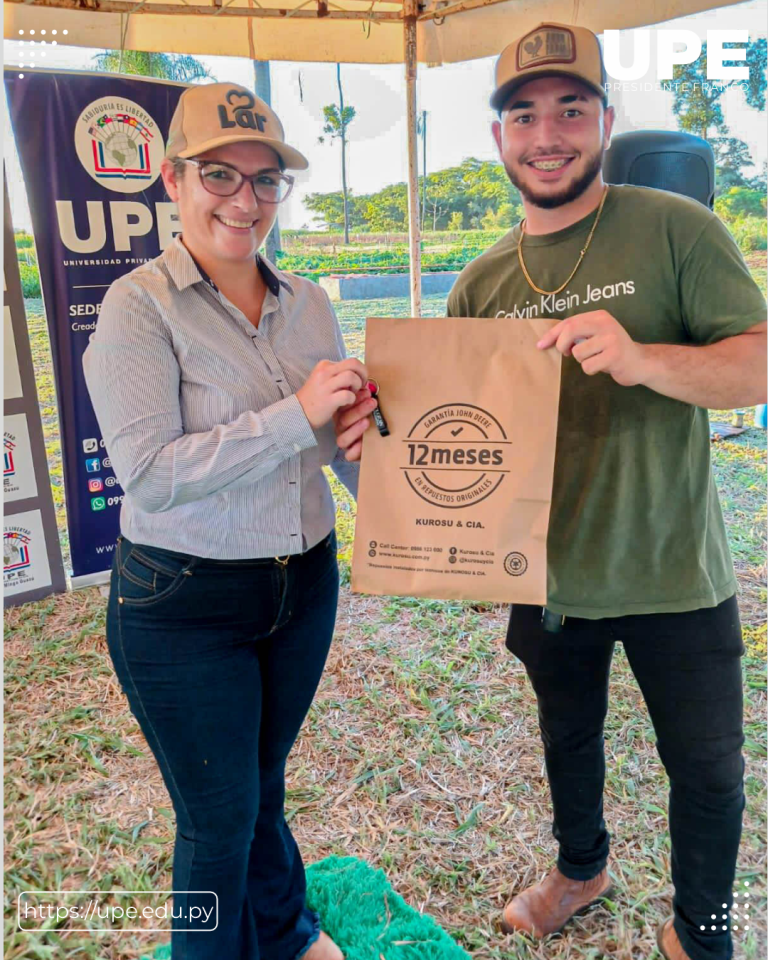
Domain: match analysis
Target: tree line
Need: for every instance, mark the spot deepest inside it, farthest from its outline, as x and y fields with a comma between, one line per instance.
x=474, y=195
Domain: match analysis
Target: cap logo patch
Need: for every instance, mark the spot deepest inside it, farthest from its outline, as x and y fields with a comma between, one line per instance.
x=548, y=45
x=533, y=46
x=242, y=114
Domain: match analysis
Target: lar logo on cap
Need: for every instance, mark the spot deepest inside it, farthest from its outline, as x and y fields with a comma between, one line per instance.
x=243, y=114
x=546, y=45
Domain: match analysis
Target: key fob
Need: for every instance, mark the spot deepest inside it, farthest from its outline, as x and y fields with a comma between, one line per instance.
x=378, y=416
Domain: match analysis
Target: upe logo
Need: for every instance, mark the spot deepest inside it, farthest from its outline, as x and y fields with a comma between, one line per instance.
x=720, y=59
x=455, y=455
x=119, y=144
x=16, y=549
x=9, y=468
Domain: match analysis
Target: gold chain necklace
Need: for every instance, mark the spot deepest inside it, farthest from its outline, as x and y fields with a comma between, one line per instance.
x=578, y=262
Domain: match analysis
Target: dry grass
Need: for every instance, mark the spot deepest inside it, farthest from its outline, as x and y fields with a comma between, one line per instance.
x=421, y=755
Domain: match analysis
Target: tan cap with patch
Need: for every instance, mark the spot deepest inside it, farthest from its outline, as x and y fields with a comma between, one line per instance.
x=213, y=114
x=551, y=49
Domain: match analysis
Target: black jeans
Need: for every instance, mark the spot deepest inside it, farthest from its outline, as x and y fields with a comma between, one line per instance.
x=689, y=671
x=220, y=662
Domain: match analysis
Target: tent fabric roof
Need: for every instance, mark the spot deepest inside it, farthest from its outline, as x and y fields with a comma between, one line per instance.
x=346, y=31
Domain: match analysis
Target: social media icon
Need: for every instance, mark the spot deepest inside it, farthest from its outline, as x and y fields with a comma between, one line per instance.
x=91, y=445
x=98, y=503
x=93, y=465
x=96, y=485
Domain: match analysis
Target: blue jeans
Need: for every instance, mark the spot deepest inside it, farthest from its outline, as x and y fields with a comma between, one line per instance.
x=220, y=661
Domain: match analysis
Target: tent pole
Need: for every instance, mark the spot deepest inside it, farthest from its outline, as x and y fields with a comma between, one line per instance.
x=410, y=12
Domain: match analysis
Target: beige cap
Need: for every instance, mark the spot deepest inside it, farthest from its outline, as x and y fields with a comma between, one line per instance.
x=551, y=49
x=212, y=114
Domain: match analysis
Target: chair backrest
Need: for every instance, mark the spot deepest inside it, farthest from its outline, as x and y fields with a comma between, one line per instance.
x=665, y=159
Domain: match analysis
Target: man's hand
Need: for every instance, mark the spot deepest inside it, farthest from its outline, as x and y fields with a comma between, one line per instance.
x=352, y=422
x=601, y=345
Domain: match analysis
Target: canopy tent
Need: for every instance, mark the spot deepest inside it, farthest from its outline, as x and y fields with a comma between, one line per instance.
x=345, y=31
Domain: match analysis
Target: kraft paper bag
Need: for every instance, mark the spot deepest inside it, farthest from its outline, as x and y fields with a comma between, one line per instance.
x=455, y=502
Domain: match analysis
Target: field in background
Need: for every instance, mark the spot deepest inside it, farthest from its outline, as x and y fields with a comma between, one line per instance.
x=421, y=753
x=316, y=255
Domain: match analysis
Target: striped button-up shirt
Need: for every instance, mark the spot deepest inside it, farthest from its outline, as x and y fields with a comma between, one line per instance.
x=199, y=416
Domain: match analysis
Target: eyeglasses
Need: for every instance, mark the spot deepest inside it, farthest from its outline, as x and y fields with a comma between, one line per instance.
x=224, y=180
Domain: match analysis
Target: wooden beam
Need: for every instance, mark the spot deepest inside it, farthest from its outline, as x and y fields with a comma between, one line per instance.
x=458, y=8
x=410, y=11
x=187, y=10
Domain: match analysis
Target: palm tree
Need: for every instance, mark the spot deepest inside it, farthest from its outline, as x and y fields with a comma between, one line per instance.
x=337, y=119
x=164, y=66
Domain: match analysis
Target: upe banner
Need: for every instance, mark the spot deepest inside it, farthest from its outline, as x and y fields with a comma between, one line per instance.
x=90, y=147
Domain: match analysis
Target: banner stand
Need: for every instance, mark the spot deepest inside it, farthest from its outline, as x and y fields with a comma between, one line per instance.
x=32, y=562
x=99, y=210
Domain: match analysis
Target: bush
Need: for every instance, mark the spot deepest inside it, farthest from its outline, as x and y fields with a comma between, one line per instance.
x=490, y=221
x=30, y=280
x=749, y=233
x=739, y=203
x=23, y=240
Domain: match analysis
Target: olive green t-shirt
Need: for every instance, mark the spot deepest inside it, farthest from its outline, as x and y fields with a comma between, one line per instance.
x=635, y=525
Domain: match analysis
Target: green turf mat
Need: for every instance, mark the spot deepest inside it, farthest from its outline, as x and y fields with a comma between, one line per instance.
x=161, y=953
x=367, y=919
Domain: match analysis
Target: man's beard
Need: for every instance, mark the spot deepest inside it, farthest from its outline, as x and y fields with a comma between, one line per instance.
x=568, y=195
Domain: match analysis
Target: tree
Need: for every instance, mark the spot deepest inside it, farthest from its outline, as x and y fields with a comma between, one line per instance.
x=337, y=119
x=457, y=197
x=164, y=66
x=696, y=100
x=508, y=215
x=731, y=156
x=490, y=220
x=328, y=210
x=696, y=103
x=757, y=54
x=385, y=211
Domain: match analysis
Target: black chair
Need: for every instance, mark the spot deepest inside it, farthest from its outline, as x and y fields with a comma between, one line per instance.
x=665, y=159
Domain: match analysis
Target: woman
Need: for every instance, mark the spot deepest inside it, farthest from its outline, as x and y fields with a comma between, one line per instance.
x=215, y=379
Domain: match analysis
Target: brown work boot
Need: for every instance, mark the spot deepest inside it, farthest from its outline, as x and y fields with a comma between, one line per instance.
x=669, y=942
x=323, y=949
x=546, y=907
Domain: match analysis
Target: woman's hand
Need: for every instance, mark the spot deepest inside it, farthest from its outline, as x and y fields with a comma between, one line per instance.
x=329, y=387
x=352, y=422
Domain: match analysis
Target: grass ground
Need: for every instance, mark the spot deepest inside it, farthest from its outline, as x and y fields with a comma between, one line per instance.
x=421, y=753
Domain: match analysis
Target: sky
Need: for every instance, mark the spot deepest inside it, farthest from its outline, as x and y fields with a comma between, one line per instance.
x=455, y=97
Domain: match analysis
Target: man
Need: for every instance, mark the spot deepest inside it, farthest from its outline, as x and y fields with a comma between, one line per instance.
x=659, y=320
